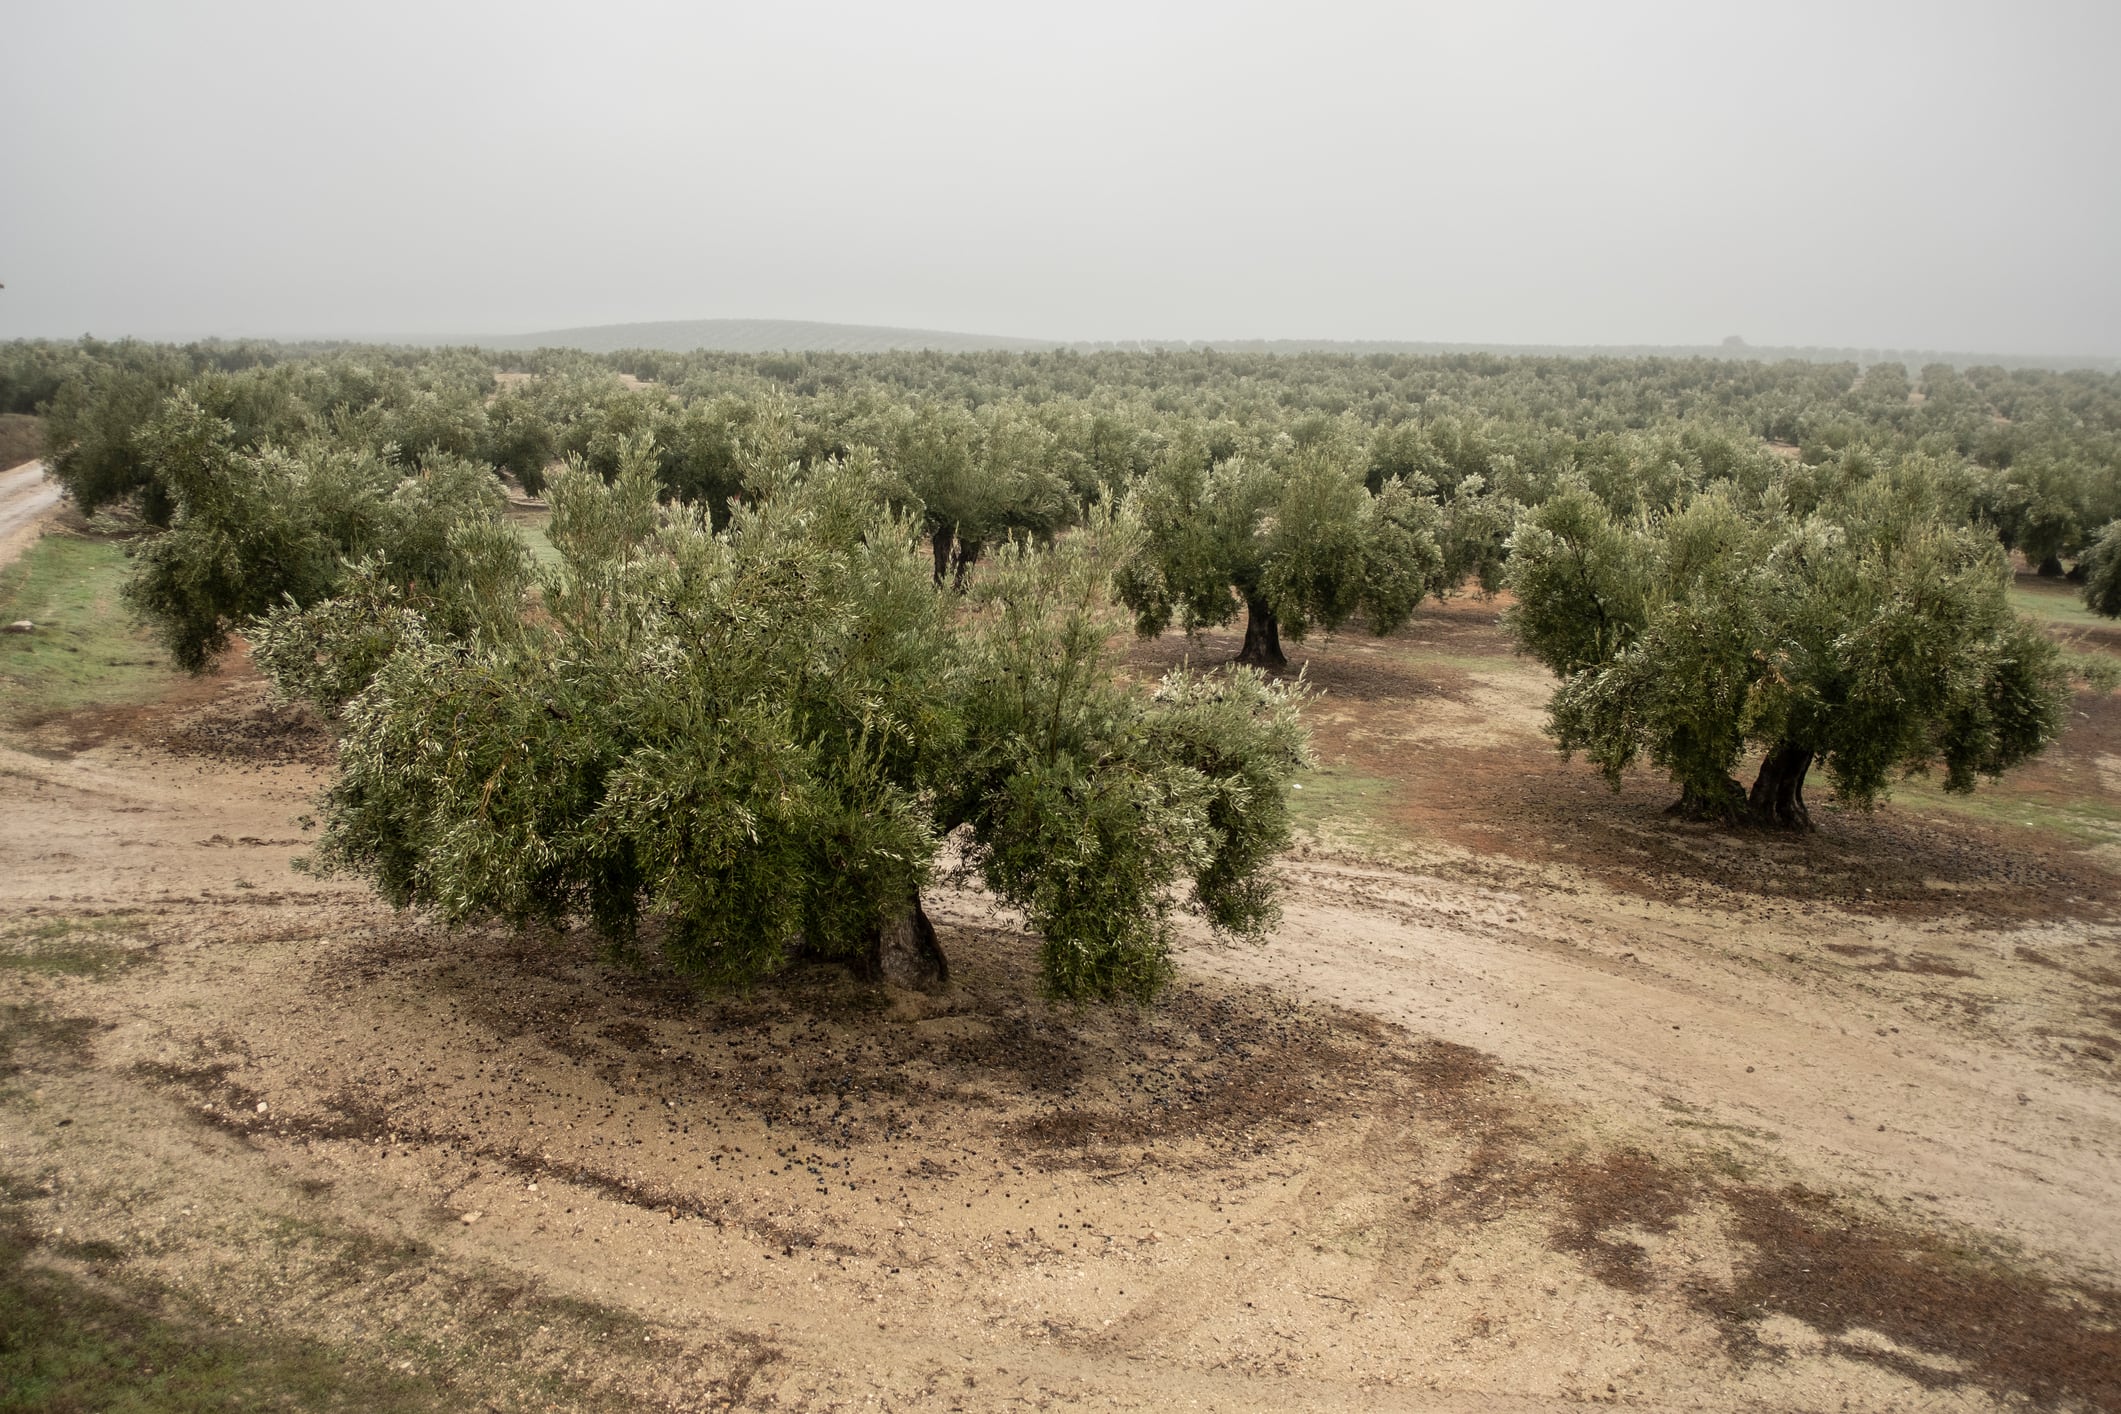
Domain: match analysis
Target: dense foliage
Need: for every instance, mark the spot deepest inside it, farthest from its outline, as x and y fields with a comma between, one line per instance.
x=761, y=738
x=1870, y=635
x=249, y=529
x=815, y=614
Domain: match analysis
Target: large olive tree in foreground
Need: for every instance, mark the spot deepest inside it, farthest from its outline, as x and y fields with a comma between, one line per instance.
x=757, y=742
x=1870, y=638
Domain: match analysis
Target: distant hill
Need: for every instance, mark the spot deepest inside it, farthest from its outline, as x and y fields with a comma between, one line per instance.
x=1913, y=358
x=762, y=336
x=755, y=336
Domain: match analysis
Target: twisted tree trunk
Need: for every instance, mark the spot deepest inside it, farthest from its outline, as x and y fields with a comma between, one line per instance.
x=1778, y=791
x=1262, y=637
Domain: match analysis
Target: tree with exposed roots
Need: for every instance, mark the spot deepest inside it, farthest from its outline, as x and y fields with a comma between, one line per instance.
x=1870, y=638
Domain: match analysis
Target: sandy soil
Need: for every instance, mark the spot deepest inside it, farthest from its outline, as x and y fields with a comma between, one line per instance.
x=26, y=499
x=1537, y=1098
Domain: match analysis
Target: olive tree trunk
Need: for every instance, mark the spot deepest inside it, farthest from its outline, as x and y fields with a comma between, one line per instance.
x=940, y=541
x=968, y=553
x=1262, y=637
x=1778, y=791
x=906, y=953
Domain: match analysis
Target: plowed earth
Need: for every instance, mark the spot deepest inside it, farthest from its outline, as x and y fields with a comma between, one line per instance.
x=1537, y=1098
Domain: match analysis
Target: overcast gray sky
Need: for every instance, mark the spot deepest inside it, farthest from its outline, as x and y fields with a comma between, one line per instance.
x=1941, y=175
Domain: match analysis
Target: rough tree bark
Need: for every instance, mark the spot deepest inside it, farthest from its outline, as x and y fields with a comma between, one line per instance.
x=1262, y=638
x=906, y=953
x=968, y=553
x=1778, y=791
x=941, y=540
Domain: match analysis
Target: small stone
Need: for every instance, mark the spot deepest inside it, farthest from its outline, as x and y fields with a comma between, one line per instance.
x=469, y=1218
x=261, y=1107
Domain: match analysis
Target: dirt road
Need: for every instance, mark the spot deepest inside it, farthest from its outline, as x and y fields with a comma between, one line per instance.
x=26, y=498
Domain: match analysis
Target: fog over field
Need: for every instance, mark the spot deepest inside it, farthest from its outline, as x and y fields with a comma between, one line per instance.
x=1936, y=176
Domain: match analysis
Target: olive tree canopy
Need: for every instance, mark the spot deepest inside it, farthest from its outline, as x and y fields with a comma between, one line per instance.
x=757, y=741
x=1288, y=532
x=1871, y=637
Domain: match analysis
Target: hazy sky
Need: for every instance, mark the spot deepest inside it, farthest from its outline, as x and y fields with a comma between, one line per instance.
x=1942, y=175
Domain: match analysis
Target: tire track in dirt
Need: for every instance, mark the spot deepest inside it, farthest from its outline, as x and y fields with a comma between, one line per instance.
x=1657, y=1025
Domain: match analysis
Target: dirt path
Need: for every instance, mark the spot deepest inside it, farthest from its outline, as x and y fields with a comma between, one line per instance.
x=1751, y=1032
x=26, y=498
x=1475, y=1131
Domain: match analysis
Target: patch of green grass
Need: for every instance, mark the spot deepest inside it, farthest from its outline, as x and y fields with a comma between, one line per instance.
x=541, y=546
x=2060, y=605
x=1336, y=805
x=2083, y=821
x=28, y=1029
x=80, y=947
x=86, y=650
x=71, y=1341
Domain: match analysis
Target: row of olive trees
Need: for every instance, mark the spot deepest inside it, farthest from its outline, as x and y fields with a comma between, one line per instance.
x=1285, y=529
x=2039, y=455
x=741, y=691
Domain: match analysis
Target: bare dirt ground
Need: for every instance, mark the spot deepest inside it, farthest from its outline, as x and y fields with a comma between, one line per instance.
x=1538, y=1098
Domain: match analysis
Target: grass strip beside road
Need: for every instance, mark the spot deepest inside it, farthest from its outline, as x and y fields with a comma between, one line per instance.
x=85, y=651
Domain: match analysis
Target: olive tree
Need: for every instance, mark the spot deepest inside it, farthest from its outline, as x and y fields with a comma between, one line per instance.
x=2102, y=572
x=977, y=478
x=1870, y=638
x=1287, y=533
x=252, y=529
x=91, y=424
x=753, y=742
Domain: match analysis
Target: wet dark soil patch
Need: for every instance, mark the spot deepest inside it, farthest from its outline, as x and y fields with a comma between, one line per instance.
x=1952, y=1315
x=2007, y=1331
x=253, y=732
x=1921, y=964
x=835, y=1063
x=1626, y=1189
x=2094, y=973
x=30, y=1035
x=1537, y=808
